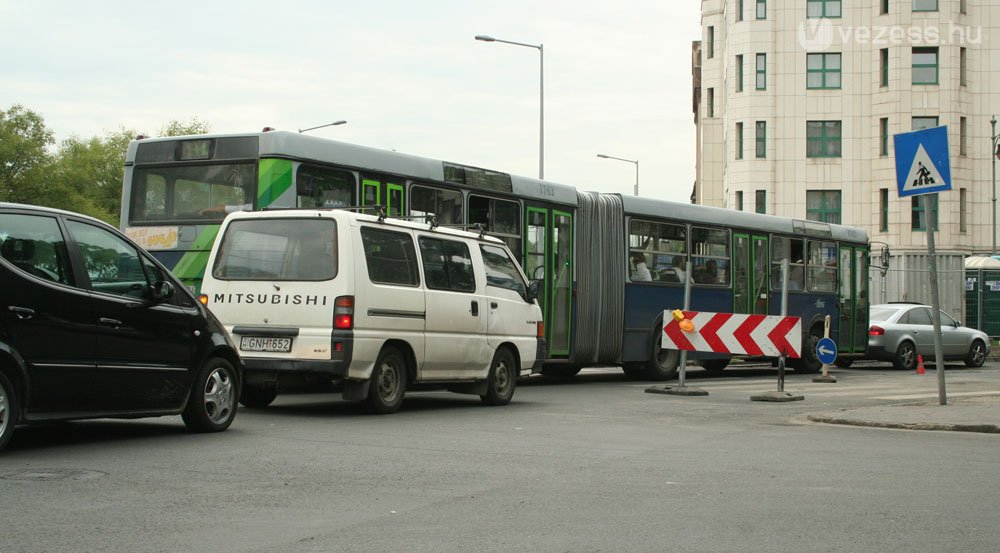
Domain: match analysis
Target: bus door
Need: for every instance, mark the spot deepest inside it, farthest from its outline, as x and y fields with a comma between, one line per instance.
x=853, y=299
x=548, y=258
x=750, y=294
x=382, y=191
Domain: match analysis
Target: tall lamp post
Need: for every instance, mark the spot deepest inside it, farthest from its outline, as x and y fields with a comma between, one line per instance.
x=541, y=95
x=635, y=161
x=994, y=152
x=341, y=122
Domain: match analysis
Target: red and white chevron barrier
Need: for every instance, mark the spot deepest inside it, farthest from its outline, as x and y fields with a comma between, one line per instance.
x=756, y=335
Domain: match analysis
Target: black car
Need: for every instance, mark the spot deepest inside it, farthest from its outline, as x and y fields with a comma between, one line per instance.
x=91, y=326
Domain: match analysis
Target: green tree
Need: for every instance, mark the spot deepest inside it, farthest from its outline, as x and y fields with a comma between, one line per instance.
x=88, y=174
x=23, y=155
x=177, y=128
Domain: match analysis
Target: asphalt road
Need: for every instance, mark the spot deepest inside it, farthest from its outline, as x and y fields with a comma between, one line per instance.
x=592, y=464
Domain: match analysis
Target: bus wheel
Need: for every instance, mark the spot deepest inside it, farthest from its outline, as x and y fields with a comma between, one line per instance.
x=809, y=363
x=844, y=363
x=663, y=363
x=560, y=371
x=714, y=366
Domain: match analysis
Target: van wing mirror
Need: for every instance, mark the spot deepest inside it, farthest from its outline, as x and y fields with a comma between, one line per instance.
x=163, y=291
x=532, y=293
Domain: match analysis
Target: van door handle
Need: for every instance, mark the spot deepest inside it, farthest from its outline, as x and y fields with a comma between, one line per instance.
x=22, y=312
x=113, y=323
x=475, y=308
x=493, y=305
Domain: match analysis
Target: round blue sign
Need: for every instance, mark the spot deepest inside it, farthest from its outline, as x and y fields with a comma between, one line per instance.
x=826, y=351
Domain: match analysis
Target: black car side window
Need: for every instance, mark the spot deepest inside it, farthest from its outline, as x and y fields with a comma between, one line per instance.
x=35, y=245
x=114, y=266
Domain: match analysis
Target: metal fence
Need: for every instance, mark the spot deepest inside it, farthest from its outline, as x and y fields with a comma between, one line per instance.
x=982, y=300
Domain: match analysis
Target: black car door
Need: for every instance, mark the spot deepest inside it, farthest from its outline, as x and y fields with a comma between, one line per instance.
x=44, y=317
x=144, y=348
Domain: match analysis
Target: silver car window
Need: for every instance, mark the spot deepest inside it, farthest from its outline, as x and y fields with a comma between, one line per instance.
x=919, y=316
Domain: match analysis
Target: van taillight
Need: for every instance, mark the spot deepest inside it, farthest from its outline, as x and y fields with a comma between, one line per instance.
x=343, y=313
x=540, y=328
x=876, y=331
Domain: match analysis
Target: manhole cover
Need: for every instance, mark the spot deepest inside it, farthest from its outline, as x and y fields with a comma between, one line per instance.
x=54, y=474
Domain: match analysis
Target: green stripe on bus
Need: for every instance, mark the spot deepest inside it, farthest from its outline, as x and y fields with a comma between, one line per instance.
x=274, y=180
x=192, y=264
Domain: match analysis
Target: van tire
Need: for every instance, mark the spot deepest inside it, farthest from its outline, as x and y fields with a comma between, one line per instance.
x=211, y=406
x=388, y=382
x=502, y=379
x=256, y=397
x=8, y=410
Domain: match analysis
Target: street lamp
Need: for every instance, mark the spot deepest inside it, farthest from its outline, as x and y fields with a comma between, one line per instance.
x=541, y=96
x=341, y=122
x=635, y=161
x=994, y=152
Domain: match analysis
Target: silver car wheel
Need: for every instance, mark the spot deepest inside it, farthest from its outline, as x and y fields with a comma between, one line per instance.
x=219, y=397
x=978, y=353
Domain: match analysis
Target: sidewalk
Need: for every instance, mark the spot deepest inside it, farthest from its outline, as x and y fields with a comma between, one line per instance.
x=961, y=414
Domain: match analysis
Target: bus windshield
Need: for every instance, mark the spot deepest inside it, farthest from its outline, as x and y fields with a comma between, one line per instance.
x=191, y=193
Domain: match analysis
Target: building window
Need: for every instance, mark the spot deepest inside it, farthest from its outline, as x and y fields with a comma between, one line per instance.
x=963, y=136
x=962, y=206
x=761, y=139
x=761, y=9
x=921, y=123
x=963, y=6
x=711, y=42
x=739, y=10
x=883, y=136
x=963, y=67
x=883, y=55
x=885, y=7
x=823, y=205
x=823, y=8
x=739, y=73
x=925, y=66
x=760, y=201
x=711, y=102
x=761, y=71
x=822, y=70
x=919, y=217
x=823, y=138
x=925, y=5
x=739, y=140
x=739, y=200
x=883, y=210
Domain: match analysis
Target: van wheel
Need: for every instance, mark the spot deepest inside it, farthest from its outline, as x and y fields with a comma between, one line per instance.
x=502, y=379
x=388, y=382
x=212, y=404
x=257, y=398
x=8, y=411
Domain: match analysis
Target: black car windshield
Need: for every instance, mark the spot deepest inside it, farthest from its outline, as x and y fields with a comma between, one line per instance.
x=278, y=249
x=880, y=314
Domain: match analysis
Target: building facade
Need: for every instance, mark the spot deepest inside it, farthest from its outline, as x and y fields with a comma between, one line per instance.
x=799, y=101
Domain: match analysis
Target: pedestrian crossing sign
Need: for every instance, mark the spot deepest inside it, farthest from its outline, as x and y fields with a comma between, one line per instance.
x=922, y=165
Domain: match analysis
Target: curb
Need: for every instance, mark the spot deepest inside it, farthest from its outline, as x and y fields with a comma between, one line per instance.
x=982, y=428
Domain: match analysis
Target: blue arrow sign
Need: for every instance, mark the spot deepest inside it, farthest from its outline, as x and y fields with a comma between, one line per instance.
x=826, y=351
x=922, y=165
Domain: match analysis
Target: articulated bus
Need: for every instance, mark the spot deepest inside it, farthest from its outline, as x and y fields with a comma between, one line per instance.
x=607, y=264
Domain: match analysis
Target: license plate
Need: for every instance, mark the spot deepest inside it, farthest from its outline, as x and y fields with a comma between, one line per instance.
x=264, y=343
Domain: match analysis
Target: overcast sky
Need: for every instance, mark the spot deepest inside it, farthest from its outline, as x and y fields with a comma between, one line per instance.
x=406, y=75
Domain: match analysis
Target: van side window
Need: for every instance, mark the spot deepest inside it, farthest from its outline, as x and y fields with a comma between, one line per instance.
x=390, y=256
x=447, y=265
x=501, y=271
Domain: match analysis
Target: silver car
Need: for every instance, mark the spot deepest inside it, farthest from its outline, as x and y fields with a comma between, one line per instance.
x=901, y=331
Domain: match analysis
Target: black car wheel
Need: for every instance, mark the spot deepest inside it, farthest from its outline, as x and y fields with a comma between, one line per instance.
x=906, y=357
x=977, y=354
x=388, y=382
x=8, y=411
x=212, y=404
x=502, y=379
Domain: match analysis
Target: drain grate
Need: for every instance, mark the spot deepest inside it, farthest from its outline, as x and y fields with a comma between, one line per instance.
x=45, y=475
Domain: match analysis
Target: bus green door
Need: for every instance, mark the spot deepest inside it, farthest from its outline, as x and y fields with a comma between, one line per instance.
x=853, y=300
x=750, y=294
x=548, y=257
x=375, y=191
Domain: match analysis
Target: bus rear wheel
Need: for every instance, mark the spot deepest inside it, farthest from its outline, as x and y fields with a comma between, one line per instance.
x=663, y=363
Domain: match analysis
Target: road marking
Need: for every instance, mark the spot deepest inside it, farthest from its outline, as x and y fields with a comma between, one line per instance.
x=949, y=394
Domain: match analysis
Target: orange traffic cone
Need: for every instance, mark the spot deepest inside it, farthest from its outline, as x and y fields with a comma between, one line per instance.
x=920, y=365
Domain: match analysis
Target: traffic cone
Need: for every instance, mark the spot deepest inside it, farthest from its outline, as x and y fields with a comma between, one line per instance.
x=920, y=365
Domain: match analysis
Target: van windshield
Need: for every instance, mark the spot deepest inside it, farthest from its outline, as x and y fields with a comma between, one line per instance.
x=278, y=249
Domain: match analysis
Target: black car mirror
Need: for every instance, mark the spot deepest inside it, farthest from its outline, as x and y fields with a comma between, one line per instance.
x=163, y=291
x=532, y=293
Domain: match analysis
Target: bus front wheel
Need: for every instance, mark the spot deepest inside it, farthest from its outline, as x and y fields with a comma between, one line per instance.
x=663, y=363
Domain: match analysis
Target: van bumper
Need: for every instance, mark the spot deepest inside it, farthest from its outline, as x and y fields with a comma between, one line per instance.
x=541, y=354
x=259, y=365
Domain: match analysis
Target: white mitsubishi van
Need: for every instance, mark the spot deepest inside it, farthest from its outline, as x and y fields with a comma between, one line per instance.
x=378, y=306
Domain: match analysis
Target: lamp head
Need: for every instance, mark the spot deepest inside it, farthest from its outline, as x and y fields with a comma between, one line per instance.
x=485, y=38
x=602, y=155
